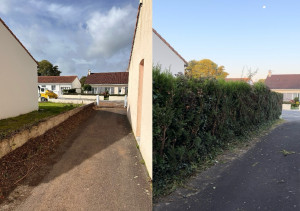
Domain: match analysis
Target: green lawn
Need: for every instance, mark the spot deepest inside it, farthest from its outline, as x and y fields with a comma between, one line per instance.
x=46, y=109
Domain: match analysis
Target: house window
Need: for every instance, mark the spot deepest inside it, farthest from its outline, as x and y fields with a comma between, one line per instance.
x=112, y=90
x=126, y=90
x=101, y=90
x=120, y=90
x=95, y=90
x=62, y=88
x=53, y=87
x=287, y=96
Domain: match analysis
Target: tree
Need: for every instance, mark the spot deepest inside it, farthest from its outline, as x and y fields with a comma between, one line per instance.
x=205, y=69
x=82, y=80
x=47, y=69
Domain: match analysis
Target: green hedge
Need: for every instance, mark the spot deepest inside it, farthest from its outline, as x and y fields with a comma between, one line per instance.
x=192, y=118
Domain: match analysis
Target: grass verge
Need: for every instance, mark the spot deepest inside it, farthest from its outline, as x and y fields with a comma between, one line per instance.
x=243, y=142
x=10, y=126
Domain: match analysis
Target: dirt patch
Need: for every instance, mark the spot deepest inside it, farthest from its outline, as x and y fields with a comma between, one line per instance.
x=27, y=165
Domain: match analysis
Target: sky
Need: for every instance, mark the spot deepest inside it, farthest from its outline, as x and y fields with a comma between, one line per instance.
x=76, y=35
x=242, y=35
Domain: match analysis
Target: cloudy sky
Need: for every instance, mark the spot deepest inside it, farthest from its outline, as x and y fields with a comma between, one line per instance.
x=263, y=34
x=76, y=35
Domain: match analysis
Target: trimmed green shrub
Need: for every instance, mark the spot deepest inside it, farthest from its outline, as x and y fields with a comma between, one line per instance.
x=69, y=91
x=193, y=118
x=87, y=87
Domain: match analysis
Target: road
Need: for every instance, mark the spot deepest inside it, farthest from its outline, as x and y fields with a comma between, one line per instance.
x=267, y=177
x=291, y=115
x=101, y=170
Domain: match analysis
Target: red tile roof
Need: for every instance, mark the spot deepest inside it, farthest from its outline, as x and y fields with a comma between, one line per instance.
x=237, y=79
x=108, y=78
x=18, y=40
x=162, y=39
x=285, y=81
x=56, y=79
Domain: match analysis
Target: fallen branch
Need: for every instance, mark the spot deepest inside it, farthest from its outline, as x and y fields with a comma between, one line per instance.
x=23, y=176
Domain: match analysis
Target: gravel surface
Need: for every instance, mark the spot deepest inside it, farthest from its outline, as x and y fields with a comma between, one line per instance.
x=99, y=168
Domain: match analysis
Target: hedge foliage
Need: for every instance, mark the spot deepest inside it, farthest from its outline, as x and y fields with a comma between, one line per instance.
x=192, y=118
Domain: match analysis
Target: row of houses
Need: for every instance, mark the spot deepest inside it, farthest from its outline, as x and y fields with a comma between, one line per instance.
x=113, y=82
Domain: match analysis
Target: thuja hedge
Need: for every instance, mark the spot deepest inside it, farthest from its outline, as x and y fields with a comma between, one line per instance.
x=192, y=118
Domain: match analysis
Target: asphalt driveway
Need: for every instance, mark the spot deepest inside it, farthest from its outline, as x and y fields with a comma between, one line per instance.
x=267, y=177
x=291, y=115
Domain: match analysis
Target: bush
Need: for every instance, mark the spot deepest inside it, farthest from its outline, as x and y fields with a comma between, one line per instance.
x=69, y=91
x=87, y=87
x=193, y=118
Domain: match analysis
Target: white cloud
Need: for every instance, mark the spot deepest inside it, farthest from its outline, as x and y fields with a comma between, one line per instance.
x=111, y=32
x=5, y=6
x=76, y=38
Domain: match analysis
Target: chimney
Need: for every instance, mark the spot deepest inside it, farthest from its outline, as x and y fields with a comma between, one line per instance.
x=270, y=73
x=89, y=72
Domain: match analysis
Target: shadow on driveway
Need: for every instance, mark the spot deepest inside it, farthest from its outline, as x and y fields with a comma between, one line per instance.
x=98, y=168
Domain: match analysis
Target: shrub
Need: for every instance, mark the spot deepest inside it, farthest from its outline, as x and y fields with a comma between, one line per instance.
x=193, y=118
x=87, y=87
x=69, y=91
x=106, y=95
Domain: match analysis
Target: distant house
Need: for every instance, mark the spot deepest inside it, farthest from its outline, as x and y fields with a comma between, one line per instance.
x=166, y=56
x=114, y=82
x=287, y=84
x=247, y=80
x=139, y=109
x=59, y=83
x=18, y=66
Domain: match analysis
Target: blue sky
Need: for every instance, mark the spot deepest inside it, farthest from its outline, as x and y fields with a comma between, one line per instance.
x=75, y=35
x=235, y=33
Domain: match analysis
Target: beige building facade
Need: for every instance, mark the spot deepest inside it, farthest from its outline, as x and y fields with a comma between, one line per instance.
x=139, y=109
x=288, y=94
x=18, y=67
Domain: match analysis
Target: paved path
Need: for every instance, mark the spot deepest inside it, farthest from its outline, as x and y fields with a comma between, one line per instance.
x=291, y=115
x=262, y=179
x=101, y=170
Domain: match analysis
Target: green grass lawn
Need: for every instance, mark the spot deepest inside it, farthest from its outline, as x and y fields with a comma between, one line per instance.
x=47, y=109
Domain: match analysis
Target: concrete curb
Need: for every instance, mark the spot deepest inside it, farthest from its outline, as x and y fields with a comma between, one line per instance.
x=12, y=143
x=84, y=97
x=72, y=101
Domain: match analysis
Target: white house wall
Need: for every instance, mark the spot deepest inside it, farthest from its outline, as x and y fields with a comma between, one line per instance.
x=288, y=94
x=142, y=49
x=115, y=86
x=164, y=56
x=57, y=88
x=16, y=66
